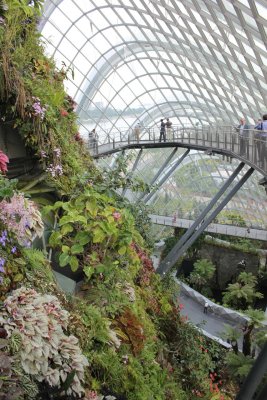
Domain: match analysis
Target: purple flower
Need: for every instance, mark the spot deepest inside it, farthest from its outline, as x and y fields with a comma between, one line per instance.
x=55, y=170
x=13, y=250
x=3, y=238
x=37, y=108
x=2, y=263
x=43, y=154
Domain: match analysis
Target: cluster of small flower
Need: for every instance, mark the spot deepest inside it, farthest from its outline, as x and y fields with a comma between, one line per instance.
x=21, y=217
x=55, y=170
x=38, y=109
x=43, y=154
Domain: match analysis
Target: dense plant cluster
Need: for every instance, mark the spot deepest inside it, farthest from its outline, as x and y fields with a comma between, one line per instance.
x=46, y=352
x=32, y=97
x=22, y=217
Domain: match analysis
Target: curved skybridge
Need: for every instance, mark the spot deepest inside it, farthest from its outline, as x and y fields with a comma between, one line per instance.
x=250, y=146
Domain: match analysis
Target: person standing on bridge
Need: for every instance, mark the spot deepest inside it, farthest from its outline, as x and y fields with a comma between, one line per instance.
x=169, y=129
x=137, y=130
x=243, y=130
x=262, y=138
x=92, y=136
x=162, y=131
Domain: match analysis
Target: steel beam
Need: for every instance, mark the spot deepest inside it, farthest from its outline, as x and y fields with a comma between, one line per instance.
x=164, y=165
x=202, y=215
x=254, y=378
x=133, y=169
x=166, y=176
x=178, y=250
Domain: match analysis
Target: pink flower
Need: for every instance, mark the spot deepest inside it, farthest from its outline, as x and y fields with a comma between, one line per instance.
x=63, y=112
x=116, y=215
x=78, y=137
x=91, y=395
x=3, y=161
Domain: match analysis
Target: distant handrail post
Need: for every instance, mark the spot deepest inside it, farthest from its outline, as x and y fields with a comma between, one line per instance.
x=113, y=143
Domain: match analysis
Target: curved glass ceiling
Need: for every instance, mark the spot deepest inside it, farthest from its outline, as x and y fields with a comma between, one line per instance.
x=191, y=60
x=194, y=61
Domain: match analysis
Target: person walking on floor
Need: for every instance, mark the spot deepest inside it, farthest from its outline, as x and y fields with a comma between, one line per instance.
x=162, y=131
x=205, y=310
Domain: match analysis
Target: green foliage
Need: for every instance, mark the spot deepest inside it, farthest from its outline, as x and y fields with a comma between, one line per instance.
x=7, y=187
x=230, y=218
x=93, y=234
x=239, y=365
x=202, y=274
x=143, y=223
x=38, y=272
x=243, y=293
x=120, y=178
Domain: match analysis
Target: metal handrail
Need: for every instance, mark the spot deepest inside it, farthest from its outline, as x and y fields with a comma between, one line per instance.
x=250, y=145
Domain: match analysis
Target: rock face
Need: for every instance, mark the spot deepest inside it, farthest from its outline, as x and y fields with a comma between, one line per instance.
x=226, y=261
x=10, y=142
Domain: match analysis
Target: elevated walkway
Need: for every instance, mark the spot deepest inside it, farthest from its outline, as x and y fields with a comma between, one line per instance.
x=229, y=230
x=223, y=140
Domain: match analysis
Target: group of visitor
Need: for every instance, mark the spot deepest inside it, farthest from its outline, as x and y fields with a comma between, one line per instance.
x=243, y=130
x=165, y=130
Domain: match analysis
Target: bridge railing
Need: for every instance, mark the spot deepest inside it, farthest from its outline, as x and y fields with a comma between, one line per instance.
x=250, y=144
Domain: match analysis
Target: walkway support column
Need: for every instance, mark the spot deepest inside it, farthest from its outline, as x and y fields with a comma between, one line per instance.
x=166, y=176
x=178, y=250
x=133, y=169
x=202, y=215
x=164, y=165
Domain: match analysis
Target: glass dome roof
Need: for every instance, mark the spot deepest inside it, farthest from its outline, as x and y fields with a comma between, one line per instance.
x=196, y=61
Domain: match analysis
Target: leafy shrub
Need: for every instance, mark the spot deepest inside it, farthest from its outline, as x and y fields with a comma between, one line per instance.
x=46, y=353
